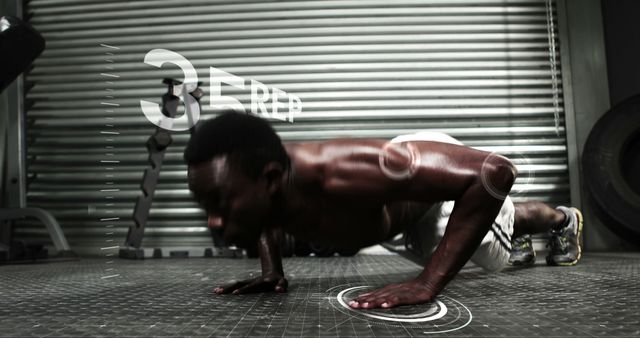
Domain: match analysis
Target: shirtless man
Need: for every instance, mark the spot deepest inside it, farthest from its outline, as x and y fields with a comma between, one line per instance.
x=354, y=193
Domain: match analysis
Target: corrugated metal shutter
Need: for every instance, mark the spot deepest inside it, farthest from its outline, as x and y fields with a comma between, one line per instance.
x=478, y=70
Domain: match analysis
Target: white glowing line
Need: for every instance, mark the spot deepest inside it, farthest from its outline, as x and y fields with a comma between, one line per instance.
x=443, y=310
x=109, y=46
x=457, y=328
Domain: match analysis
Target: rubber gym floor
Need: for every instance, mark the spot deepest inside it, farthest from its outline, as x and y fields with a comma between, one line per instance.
x=599, y=297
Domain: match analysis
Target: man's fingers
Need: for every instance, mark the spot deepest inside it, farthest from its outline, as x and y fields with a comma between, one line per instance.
x=377, y=300
x=262, y=286
x=226, y=289
x=365, y=297
x=374, y=303
x=222, y=290
x=374, y=298
x=393, y=295
x=230, y=287
x=390, y=302
x=253, y=285
x=282, y=285
x=250, y=288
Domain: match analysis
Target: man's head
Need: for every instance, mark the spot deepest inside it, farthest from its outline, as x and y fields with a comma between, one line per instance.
x=236, y=165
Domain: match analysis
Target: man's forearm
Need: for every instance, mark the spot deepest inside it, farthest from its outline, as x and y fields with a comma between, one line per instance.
x=471, y=219
x=269, y=248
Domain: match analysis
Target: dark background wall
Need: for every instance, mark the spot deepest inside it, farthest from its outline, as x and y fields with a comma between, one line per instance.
x=622, y=41
x=3, y=123
x=621, y=29
x=585, y=61
x=622, y=46
x=602, y=41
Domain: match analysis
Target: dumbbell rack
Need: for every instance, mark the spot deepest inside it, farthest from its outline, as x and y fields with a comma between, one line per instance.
x=157, y=145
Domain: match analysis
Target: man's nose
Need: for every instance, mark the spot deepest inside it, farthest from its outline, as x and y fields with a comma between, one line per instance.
x=215, y=221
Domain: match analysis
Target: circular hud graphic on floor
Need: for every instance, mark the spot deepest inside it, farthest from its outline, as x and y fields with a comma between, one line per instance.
x=445, y=314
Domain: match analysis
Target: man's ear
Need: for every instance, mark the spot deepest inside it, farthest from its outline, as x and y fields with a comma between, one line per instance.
x=272, y=173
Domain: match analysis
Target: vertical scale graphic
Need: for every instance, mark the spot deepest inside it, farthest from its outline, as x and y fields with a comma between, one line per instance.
x=109, y=162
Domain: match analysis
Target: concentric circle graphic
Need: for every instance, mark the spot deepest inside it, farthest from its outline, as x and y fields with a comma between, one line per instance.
x=406, y=151
x=526, y=176
x=445, y=314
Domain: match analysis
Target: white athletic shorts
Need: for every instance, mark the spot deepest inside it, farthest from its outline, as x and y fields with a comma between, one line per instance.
x=494, y=251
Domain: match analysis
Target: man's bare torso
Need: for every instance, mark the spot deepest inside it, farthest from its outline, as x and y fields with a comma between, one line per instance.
x=324, y=215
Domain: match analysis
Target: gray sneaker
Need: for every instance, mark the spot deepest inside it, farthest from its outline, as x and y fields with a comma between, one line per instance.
x=565, y=246
x=522, y=253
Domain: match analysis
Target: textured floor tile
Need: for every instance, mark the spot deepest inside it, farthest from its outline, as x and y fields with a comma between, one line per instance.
x=173, y=298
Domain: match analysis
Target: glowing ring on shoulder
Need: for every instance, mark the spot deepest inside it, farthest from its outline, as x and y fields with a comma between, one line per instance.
x=412, y=153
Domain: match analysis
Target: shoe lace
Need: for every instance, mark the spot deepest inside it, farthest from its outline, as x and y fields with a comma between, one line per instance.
x=558, y=244
x=520, y=244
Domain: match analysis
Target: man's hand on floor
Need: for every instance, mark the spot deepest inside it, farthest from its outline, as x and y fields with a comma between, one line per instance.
x=266, y=283
x=411, y=292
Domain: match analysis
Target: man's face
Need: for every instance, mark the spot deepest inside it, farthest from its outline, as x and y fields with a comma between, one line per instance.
x=235, y=203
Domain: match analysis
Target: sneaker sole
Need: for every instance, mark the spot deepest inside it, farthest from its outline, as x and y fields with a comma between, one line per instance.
x=530, y=262
x=580, y=225
x=523, y=263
